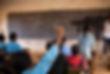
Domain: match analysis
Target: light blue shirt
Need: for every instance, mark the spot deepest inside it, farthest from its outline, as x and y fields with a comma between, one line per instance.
x=12, y=47
x=66, y=50
x=86, y=44
x=46, y=62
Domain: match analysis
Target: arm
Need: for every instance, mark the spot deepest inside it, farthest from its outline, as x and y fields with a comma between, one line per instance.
x=46, y=62
x=60, y=34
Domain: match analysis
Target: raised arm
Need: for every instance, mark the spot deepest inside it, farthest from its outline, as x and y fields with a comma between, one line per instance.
x=47, y=61
x=60, y=34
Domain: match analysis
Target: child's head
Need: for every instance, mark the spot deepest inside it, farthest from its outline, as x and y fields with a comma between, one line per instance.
x=86, y=28
x=20, y=61
x=75, y=50
x=4, y=65
x=49, y=44
x=2, y=37
x=108, y=17
x=13, y=36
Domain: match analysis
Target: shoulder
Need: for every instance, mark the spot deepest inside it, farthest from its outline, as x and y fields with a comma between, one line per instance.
x=54, y=48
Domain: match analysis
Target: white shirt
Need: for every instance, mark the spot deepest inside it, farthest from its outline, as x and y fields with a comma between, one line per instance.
x=106, y=29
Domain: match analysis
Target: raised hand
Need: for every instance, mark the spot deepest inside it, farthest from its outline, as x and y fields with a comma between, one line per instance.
x=60, y=33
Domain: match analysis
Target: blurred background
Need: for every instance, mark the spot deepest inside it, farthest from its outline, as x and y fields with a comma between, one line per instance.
x=33, y=20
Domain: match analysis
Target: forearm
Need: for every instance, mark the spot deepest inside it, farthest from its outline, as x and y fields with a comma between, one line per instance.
x=60, y=35
x=58, y=41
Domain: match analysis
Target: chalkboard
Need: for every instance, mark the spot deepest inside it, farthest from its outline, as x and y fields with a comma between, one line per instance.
x=40, y=24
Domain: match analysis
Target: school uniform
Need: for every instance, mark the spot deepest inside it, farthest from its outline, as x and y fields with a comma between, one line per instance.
x=86, y=43
x=12, y=47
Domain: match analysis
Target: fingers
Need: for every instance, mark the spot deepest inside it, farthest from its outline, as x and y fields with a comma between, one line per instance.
x=60, y=34
x=60, y=30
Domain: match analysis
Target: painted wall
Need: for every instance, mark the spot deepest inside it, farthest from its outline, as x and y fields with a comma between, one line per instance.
x=25, y=6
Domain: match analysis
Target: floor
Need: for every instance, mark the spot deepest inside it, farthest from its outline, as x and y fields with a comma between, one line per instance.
x=100, y=66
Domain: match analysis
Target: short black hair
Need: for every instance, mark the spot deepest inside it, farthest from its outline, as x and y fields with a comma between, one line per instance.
x=21, y=61
x=5, y=67
x=86, y=28
x=49, y=44
x=108, y=17
x=2, y=37
x=75, y=50
x=13, y=36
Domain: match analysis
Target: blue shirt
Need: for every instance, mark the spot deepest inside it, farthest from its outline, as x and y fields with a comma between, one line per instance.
x=12, y=47
x=46, y=62
x=66, y=50
x=86, y=44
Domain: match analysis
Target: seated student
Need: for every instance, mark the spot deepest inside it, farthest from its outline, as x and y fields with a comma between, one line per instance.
x=65, y=49
x=13, y=46
x=2, y=53
x=5, y=67
x=44, y=66
x=2, y=43
x=60, y=64
x=21, y=62
x=76, y=61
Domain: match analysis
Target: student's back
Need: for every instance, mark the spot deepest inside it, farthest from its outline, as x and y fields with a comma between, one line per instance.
x=59, y=66
x=76, y=62
x=13, y=46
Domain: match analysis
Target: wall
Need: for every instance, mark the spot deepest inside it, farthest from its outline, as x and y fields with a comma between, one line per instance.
x=45, y=5
x=26, y=6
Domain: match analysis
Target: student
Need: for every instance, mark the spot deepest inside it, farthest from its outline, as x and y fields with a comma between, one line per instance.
x=76, y=62
x=106, y=35
x=20, y=61
x=2, y=42
x=86, y=42
x=60, y=64
x=22, y=64
x=44, y=66
x=4, y=68
x=13, y=46
x=14, y=63
x=64, y=48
